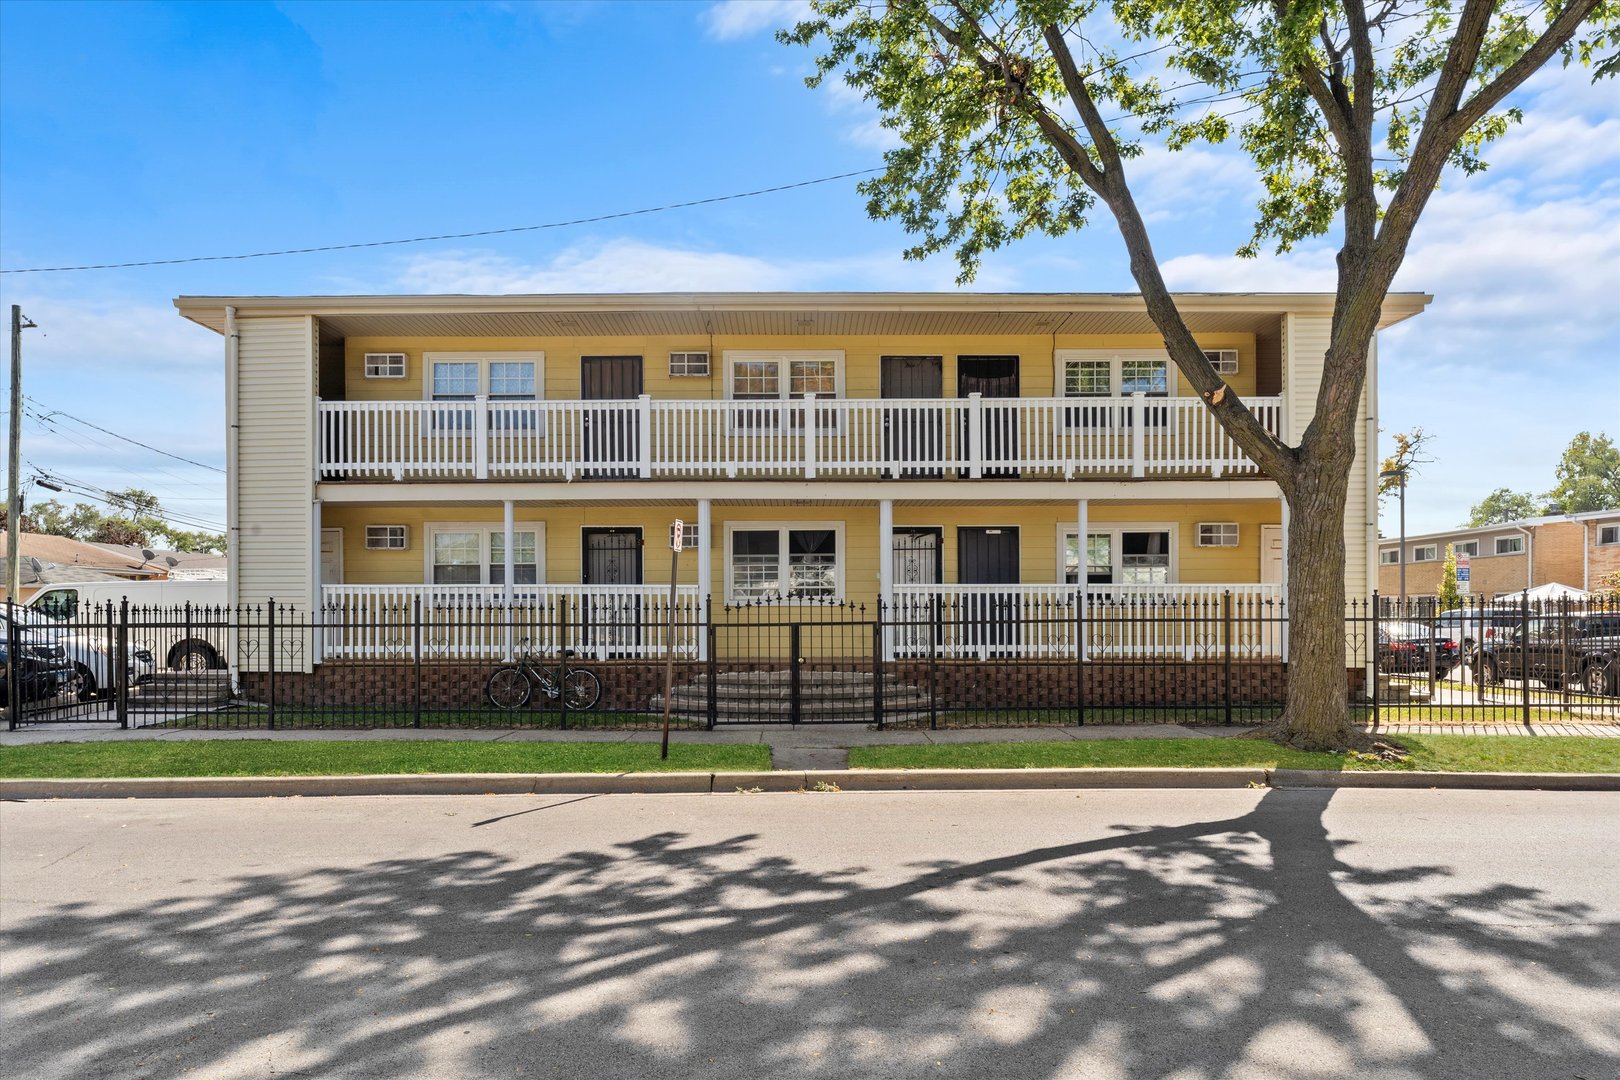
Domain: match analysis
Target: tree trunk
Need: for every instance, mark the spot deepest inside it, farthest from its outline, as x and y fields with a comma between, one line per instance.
x=1317, y=713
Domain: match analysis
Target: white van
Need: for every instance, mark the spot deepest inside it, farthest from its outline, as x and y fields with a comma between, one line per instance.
x=182, y=623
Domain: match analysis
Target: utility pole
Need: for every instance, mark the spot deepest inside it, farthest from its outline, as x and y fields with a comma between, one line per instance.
x=13, y=465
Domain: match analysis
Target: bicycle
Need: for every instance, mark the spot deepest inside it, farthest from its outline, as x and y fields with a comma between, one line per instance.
x=511, y=685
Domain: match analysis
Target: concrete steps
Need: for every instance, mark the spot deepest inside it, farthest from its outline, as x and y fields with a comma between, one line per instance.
x=767, y=697
x=182, y=690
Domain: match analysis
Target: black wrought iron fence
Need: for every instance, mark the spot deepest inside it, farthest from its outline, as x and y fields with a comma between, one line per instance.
x=948, y=659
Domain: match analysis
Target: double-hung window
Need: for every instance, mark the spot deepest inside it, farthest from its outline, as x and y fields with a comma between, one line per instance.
x=476, y=555
x=1510, y=545
x=1085, y=373
x=781, y=377
x=784, y=562
x=1126, y=556
x=1469, y=548
x=503, y=378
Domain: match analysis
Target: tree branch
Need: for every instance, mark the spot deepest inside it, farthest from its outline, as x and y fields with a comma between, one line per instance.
x=1554, y=38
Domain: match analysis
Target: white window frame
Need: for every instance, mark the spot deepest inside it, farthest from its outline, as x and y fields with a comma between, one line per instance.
x=840, y=559
x=1221, y=532
x=1432, y=556
x=1389, y=557
x=1457, y=548
x=784, y=357
x=1614, y=535
x=386, y=533
x=385, y=373
x=484, y=528
x=1116, y=360
x=1498, y=541
x=483, y=360
x=1116, y=549
x=708, y=363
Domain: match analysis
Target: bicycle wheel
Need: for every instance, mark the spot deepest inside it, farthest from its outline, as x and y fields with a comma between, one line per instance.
x=582, y=688
x=508, y=688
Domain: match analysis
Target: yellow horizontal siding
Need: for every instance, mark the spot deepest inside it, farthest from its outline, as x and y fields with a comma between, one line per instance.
x=1038, y=526
x=861, y=359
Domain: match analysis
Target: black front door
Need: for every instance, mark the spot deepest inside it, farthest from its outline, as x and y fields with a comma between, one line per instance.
x=996, y=440
x=611, y=617
x=988, y=617
x=610, y=436
x=913, y=435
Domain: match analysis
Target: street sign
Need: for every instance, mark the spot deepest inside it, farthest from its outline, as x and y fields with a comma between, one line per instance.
x=675, y=537
x=1464, y=573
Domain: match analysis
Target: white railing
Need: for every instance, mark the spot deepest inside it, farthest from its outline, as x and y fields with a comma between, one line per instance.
x=855, y=438
x=475, y=622
x=1189, y=622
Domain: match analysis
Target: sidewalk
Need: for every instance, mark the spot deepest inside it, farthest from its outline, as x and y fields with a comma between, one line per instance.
x=806, y=747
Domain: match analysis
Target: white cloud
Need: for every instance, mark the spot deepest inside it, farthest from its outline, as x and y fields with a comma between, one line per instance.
x=1171, y=184
x=633, y=266
x=732, y=19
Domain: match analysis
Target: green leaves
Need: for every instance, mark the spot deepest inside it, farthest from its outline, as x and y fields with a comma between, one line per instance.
x=993, y=148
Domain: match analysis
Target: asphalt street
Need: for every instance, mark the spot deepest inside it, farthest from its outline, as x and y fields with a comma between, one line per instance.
x=1185, y=935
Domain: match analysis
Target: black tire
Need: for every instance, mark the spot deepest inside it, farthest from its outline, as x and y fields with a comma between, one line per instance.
x=193, y=656
x=582, y=688
x=508, y=688
x=87, y=683
x=1489, y=672
x=1599, y=679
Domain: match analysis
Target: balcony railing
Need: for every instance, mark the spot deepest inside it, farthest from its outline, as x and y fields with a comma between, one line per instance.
x=951, y=622
x=476, y=622
x=1102, y=622
x=844, y=438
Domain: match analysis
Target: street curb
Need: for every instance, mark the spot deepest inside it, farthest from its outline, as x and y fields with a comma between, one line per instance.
x=702, y=783
x=1320, y=778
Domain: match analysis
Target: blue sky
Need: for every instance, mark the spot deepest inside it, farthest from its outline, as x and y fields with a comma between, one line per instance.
x=137, y=131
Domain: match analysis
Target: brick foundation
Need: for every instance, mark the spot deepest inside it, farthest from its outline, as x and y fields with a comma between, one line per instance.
x=990, y=686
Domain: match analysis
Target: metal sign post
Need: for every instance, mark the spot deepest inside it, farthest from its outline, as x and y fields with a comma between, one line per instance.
x=675, y=543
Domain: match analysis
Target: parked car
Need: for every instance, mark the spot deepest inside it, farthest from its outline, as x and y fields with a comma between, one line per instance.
x=1404, y=648
x=1581, y=651
x=1464, y=624
x=90, y=653
x=180, y=623
x=43, y=670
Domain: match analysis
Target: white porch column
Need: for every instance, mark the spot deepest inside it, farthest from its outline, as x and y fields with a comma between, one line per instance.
x=317, y=647
x=705, y=551
x=506, y=575
x=886, y=571
x=1286, y=612
x=1081, y=588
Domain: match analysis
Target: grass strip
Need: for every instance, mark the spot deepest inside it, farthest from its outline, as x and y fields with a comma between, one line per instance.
x=265, y=757
x=1429, y=753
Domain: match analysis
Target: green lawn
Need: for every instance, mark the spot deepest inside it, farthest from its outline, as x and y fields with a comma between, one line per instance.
x=1436, y=753
x=292, y=718
x=265, y=757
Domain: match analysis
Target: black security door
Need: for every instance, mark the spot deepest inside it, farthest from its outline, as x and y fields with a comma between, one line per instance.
x=992, y=377
x=989, y=618
x=611, y=618
x=913, y=435
x=610, y=436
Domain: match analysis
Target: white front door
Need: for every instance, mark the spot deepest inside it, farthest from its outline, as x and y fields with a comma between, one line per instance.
x=1271, y=555
x=331, y=556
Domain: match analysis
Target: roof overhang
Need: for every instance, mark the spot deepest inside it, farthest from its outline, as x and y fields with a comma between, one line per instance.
x=803, y=314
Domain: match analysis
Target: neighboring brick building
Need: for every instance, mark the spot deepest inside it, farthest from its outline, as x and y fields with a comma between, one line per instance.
x=1578, y=550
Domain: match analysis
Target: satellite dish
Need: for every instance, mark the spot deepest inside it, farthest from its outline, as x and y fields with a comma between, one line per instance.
x=148, y=554
x=35, y=564
x=172, y=561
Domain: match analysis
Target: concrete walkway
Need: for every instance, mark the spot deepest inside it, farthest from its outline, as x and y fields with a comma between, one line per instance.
x=794, y=749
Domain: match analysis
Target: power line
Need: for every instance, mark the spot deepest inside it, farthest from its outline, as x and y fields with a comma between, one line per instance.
x=110, y=499
x=46, y=418
x=445, y=236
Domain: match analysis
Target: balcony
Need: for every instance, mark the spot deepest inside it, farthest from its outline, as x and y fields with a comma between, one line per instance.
x=840, y=438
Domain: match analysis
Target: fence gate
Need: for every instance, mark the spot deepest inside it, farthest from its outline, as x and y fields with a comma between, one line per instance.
x=794, y=664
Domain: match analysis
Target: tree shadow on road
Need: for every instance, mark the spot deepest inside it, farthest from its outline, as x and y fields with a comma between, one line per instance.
x=1239, y=947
